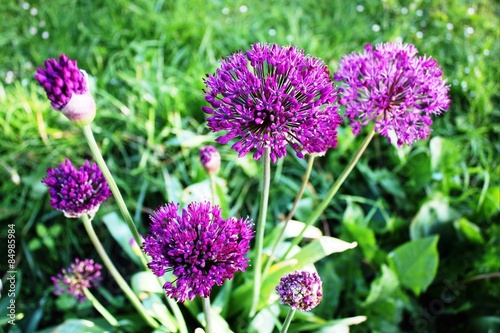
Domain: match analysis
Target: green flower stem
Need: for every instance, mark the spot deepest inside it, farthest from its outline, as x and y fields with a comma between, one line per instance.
x=116, y=275
x=315, y=215
x=261, y=226
x=288, y=320
x=178, y=315
x=87, y=131
x=100, y=308
x=213, y=188
x=208, y=317
x=292, y=212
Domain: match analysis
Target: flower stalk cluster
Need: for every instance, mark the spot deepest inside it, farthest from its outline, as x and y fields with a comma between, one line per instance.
x=265, y=100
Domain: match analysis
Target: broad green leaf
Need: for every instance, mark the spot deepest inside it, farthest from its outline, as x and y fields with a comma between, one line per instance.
x=434, y=216
x=468, y=230
x=353, y=213
x=330, y=326
x=491, y=203
x=75, y=326
x=146, y=282
x=308, y=255
x=293, y=229
x=383, y=287
x=365, y=238
x=265, y=320
x=415, y=263
x=121, y=233
x=155, y=306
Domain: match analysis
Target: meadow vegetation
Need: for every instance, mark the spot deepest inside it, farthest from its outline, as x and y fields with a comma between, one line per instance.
x=428, y=211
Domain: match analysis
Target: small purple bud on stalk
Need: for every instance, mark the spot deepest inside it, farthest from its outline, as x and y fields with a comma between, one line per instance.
x=210, y=159
x=301, y=290
x=66, y=87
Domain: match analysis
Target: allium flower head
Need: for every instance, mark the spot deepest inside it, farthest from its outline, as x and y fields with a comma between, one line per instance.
x=199, y=247
x=80, y=276
x=76, y=192
x=210, y=159
x=66, y=88
x=393, y=87
x=300, y=290
x=272, y=96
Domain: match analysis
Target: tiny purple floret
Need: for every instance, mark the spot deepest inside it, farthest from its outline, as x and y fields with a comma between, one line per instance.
x=199, y=247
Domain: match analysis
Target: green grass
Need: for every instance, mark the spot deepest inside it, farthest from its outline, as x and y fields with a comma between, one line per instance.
x=147, y=60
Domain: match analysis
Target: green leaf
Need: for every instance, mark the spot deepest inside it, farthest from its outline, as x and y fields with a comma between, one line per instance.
x=415, y=263
x=365, y=238
x=75, y=326
x=383, y=287
x=308, y=255
x=468, y=230
x=265, y=320
x=121, y=233
x=433, y=217
x=146, y=282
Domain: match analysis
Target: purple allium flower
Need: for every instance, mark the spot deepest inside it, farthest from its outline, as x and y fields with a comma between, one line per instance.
x=66, y=88
x=272, y=96
x=80, y=276
x=76, y=192
x=210, y=159
x=300, y=290
x=393, y=87
x=199, y=247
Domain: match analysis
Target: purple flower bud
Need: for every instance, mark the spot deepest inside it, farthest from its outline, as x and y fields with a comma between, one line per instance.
x=76, y=192
x=300, y=290
x=80, y=276
x=393, y=87
x=210, y=159
x=66, y=88
x=198, y=246
x=272, y=96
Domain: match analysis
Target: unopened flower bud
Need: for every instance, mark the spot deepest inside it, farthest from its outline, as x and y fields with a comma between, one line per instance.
x=210, y=159
x=66, y=87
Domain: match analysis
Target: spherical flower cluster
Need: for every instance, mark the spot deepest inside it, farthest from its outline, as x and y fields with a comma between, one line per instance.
x=66, y=88
x=76, y=192
x=300, y=290
x=393, y=87
x=210, y=159
x=199, y=247
x=80, y=276
x=272, y=96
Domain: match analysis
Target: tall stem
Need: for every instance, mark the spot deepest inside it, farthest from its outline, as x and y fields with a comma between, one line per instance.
x=291, y=213
x=100, y=308
x=87, y=131
x=208, y=316
x=315, y=215
x=114, y=272
x=288, y=320
x=261, y=226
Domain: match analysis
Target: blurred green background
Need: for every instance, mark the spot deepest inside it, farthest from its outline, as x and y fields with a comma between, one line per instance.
x=147, y=61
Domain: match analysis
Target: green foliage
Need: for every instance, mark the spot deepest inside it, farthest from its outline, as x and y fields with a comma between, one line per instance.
x=147, y=60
